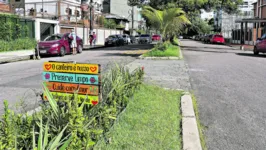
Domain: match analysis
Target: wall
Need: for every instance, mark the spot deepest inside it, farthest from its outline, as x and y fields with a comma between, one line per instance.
x=102, y=34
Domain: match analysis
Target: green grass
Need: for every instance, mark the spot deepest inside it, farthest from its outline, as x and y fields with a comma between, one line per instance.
x=200, y=126
x=151, y=121
x=171, y=51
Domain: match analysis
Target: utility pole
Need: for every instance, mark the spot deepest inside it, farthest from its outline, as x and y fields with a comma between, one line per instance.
x=91, y=19
x=132, y=15
x=42, y=9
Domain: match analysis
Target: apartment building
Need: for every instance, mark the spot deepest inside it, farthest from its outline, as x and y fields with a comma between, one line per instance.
x=122, y=9
x=228, y=20
x=246, y=35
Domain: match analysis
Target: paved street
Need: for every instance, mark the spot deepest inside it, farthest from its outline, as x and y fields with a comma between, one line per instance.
x=19, y=81
x=230, y=89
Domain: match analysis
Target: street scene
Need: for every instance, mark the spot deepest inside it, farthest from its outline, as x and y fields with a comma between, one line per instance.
x=132, y=74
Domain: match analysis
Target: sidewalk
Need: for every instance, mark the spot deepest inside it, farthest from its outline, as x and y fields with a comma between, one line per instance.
x=171, y=74
x=12, y=56
x=246, y=47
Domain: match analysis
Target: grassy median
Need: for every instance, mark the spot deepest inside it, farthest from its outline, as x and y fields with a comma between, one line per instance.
x=151, y=121
x=166, y=49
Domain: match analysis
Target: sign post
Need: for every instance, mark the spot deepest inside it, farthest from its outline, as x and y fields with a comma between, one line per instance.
x=63, y=79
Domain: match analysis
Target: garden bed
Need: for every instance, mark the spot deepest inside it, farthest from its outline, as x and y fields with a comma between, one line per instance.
x=69, y=124
x=151, y=121
x=166, y=50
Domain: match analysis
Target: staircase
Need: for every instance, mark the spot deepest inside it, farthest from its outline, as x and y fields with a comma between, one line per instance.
x=44, y=28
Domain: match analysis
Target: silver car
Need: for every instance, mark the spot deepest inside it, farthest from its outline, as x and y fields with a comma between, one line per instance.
x=145, y=38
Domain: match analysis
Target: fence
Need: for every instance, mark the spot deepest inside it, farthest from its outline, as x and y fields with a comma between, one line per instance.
x=24, y=23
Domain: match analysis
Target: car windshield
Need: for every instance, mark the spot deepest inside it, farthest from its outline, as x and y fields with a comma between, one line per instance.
x=219, y=36
x=112, y=36
x=136, y=36
x=124, y=36
x=145, y=35
x=53, y=37
x=156, y=35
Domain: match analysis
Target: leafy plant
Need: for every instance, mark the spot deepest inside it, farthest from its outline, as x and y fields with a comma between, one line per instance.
x=110, y=23
x=168, y=21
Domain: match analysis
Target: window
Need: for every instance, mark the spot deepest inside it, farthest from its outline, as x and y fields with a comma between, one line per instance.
x=53, y=38
x=17, y=1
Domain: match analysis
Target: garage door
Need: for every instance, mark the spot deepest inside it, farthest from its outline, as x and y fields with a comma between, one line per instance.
x=65, y=30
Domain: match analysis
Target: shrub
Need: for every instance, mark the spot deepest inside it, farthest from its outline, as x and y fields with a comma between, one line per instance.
x=81, y=125
x=18, y=44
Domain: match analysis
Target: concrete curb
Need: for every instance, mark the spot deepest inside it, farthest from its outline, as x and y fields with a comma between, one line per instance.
x=96, y=47
x=190, y=132
x=15, y=59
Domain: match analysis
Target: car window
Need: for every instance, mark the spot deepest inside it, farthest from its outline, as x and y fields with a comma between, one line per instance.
x=263, y=37
x=53, y=38
x=145, y=35
x=112, y=36
x=219, y=36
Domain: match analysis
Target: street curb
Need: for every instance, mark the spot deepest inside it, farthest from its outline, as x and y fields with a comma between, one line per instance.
x=34, y=110
x=88, y=48
x=15, y=59
x=190, y=131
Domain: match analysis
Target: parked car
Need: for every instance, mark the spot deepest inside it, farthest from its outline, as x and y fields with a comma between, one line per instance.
x=156, y=37
x=137, y=38
x=260, y=46
x=133, y=39
x=207, y=38
x=126, y=39
x=58, y=44
x=114, y=40
x=217, y=39
x=145, y=38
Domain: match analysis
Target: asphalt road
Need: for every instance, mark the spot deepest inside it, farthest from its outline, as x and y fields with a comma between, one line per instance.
x=230, y=88
x=20, y=81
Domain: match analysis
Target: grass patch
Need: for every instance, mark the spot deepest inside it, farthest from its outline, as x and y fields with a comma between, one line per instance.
x=200, y=126
x=164, y=50
x=151, y=121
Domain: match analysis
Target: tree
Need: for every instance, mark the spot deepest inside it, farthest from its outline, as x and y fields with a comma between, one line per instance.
x=228, y=6
x=169, y=22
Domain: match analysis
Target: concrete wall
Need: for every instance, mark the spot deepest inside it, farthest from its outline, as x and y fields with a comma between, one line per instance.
x=101, y=34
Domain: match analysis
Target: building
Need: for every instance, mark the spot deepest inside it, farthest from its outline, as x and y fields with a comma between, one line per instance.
x=228, y=20
x=122, y=9
x=4, y=6
x=206, y=15
x=246, y=35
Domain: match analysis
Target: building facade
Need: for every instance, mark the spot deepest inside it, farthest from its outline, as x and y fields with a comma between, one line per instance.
x=228, y=20
x=121, y=8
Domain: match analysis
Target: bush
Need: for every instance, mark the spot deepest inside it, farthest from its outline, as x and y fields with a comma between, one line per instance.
x=18, y=44
x=80, y=125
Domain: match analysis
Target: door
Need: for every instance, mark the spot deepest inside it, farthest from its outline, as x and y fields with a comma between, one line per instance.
x=66, y=43
x=261, y=43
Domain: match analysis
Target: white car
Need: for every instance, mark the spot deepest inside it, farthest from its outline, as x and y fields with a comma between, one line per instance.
x=126, y=38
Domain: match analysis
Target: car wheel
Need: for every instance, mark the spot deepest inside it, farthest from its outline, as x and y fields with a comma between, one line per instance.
x=255, y=51
x=62, y=51
x=80, y=49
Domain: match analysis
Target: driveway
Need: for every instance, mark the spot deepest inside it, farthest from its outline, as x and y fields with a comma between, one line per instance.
x=20, y=81
x=230, y=89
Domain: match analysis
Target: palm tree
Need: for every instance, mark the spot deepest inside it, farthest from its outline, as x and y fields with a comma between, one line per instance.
x=169, y=22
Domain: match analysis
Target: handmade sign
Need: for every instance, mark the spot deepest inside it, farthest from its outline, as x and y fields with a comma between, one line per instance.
x=63, y=79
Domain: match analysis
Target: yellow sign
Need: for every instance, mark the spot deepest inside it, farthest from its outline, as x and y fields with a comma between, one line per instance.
x=66, y=96
x=71, y=68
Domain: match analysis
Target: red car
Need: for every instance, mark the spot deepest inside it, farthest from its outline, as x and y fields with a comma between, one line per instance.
x=156, y=38
x=217, y=39
x=58, y=44
x=260, y=45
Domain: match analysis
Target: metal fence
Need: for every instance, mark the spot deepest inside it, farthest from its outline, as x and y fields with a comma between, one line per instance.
x=21, y=21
